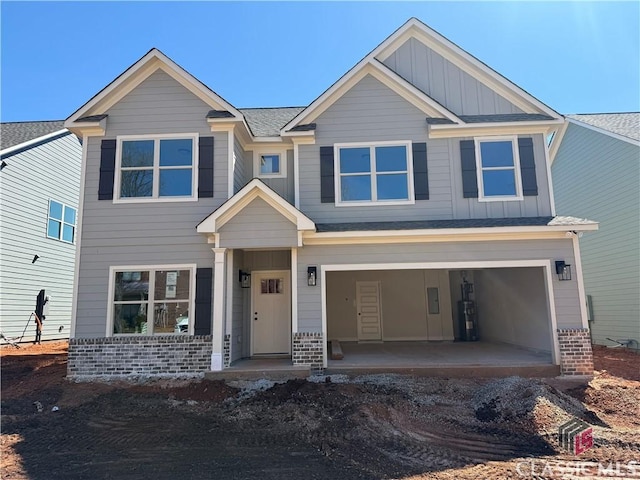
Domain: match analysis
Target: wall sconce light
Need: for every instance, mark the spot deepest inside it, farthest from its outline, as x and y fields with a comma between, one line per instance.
x=244, y=278
x=563, y=270
x=312, y=276
x=3, y=164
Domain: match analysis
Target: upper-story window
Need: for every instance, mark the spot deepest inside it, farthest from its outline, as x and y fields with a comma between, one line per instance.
x=498, y=167
x=270, y=163
x=61, y=222
x=157, y=167
x=375, y=173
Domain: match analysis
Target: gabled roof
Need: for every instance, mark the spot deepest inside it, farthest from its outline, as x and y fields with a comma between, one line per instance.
x=624, y=124
x=153, y=60
x=15, y=133
x=459, y=57
x=256, y=188
x=267, y=122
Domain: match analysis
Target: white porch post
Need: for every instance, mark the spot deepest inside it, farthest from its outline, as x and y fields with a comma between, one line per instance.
x=218, y=308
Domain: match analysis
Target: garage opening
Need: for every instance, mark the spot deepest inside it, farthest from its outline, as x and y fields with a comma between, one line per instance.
x=422, y=317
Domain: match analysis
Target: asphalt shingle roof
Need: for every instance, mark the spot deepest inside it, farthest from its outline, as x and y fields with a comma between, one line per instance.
x=15, y=133
x=267, y=122
x=462, y=223
x=625, y=124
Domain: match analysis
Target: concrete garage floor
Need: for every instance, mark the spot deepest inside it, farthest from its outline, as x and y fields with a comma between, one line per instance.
x=442, y=359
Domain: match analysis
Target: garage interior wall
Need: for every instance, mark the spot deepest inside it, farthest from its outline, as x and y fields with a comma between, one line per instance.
x=512, y=307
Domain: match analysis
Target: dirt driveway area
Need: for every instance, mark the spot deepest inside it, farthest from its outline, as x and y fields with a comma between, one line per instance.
x=370, y=427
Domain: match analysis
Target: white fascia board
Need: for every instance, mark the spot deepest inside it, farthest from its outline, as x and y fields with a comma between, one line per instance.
x=141, y=70
x=556, y=141
x=306, y=133
x=604, y=132
x=33, y=141
x=255, y=188
x=463, y=60
x=492, y=128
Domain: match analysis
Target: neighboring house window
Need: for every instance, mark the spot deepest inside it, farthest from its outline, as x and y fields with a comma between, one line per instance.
x=270, y=164
x=148, y=301
x=498, y=167
x=379, y=173
x=61, y=222
x=160, y=167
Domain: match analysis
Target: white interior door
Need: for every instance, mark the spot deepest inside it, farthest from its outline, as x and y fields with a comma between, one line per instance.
x=368, y=309
x=271, y=312
x=438, y=302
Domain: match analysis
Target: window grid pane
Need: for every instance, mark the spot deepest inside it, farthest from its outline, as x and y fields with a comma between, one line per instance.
x=176, y=152
x=175, y=182
x=496, y=154
x=392, y=186
x=53, y=229
x=269, y=164
x=499, y=182
x=55, y=210
x=355, y=160
x=136, y=183
x=391, y=159
x=355, y=187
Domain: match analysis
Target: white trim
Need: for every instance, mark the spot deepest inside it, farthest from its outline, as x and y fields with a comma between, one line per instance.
x=491, y=128
x=577, y=259
x=254, y=189
x=230, y=163
x=556, y=140
x=373, y=174
x=113, y=269
x=155, y=197
x=547, y=164
x=76, y=270
x=231, y=278
x=414, y=28
x=617, y=136
x=41, y=139
x=296, y=175
x=136, y=74
x=544, y=263
x=323, y=301
x=217, y=329
x=294, y=291
x=370, y=66
x=280, y=151
x=516, y=169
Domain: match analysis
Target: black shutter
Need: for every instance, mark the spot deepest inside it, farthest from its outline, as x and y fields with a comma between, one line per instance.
x=202, y=323
x=527, y=167
x=420, y=172
x=327, y=183
x=469, y=172
x=205, y=167
x=107, y=169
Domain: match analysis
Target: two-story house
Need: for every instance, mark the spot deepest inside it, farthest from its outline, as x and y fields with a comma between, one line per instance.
x=409, y=205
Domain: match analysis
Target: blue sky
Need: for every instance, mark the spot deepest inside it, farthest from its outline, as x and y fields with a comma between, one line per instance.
x=577, y=57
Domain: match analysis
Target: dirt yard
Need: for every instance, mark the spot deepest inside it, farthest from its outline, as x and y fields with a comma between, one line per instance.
x=370, y=427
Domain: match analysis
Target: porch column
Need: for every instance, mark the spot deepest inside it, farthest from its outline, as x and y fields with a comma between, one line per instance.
x=217, y=331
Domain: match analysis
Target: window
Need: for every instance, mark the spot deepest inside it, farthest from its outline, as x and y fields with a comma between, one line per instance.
x=498, y=169
x=269, y=163
x=152, y=301
x=162, y=167
x=374, y=174
x=61, y=222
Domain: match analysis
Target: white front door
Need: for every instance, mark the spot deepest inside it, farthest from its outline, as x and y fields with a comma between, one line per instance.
x=271, y=312
x=368, y=306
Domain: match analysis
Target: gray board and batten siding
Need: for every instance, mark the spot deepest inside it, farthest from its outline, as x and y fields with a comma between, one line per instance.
x=132, y=234
x=33, y=176
x=371, y=112
x=598, y=177
x=450, y=86
x=309, y=298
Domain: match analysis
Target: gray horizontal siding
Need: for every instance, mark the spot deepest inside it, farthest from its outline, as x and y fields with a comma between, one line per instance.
x=258, y=225
x=48, y=171
x=443, y=81
x=309, y=301
x=144, y=233
x=240, y=174
x=371, y=112
x=598, y=177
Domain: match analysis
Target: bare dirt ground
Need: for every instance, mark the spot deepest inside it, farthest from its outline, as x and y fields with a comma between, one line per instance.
x=370, y=427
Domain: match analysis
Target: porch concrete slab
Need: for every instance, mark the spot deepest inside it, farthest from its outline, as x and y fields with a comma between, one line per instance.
x=261, y=368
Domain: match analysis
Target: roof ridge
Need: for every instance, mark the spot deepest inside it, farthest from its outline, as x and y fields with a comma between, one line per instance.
x=268, y=108
x=31, y=121
x=604, y=113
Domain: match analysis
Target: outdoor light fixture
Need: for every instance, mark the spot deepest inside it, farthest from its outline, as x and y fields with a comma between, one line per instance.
x=563, y=270
x=3, y=164
x=312, y=276
x=244, y=278
x=35, y=257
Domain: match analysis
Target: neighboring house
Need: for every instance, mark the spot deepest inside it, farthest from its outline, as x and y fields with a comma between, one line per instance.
x=211, y=233
x=39, y=196
x=596, y=173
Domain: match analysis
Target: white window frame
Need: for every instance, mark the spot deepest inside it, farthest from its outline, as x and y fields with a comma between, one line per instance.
x=281, y=153
x=155, y=197
x=150, y=302
x=516, y=169
x=373, y=173
x=62, y=222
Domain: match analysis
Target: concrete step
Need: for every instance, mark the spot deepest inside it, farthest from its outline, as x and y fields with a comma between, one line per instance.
x=276, y=374
x=458, y=371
